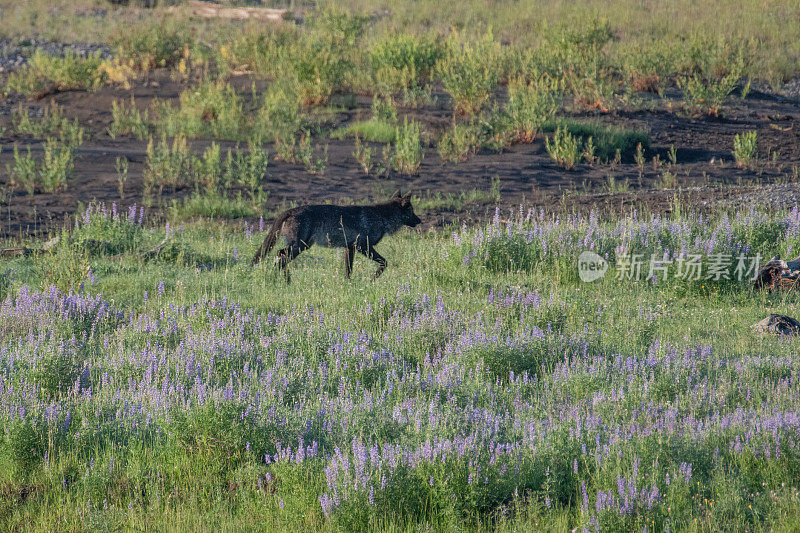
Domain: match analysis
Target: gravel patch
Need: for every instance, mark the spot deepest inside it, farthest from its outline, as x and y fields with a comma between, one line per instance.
x=14, y=54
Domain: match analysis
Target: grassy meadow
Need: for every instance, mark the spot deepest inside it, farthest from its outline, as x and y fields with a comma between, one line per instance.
x=478, y=384
x=151, y=378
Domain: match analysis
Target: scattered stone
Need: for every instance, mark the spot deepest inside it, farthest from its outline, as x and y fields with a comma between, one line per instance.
x=779, y=325
x=14, y=53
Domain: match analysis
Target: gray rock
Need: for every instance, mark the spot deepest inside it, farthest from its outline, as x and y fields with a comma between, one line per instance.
x=779, y=325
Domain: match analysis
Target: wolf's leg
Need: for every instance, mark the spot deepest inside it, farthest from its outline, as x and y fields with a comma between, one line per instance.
x=287, y=255
x=349, y=255
x=378, y=258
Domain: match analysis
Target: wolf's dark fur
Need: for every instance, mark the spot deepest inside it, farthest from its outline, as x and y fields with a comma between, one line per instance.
x=354, y=228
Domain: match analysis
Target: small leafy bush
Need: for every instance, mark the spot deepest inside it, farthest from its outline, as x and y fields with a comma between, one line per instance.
x=363, y=155
x=457, y=143
x=279, y=115
x=530, y=105
x=22, y=173
x=168, y=165
x=407, y=150
x=745, y=149
x=50, y=176
x=71, y=72
x=401, y=61
x=149, y=45
x=211, y=109
x=53, y=123
x=128, y=120
x=468, y=73
x=564, y=148
x=317, y=70
x=708, y=94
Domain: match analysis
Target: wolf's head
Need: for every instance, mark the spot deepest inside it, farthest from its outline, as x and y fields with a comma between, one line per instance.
x=407, y=215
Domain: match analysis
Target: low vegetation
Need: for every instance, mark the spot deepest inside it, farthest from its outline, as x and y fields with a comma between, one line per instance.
x=165, y=361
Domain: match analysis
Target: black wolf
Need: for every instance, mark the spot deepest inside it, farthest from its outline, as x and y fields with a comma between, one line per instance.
x=354, y=228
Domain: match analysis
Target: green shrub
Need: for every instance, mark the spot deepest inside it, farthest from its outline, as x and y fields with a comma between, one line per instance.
x=530, y=105
x=53, y=123
x=211, y=109
x=22, y=173
x=150, y=45
x=708, y=94
x=399, y=62
x=127, y=120
x=279, y=114
x=247, y=169
x=607, y=140
x=263, y=51
x=468, y=73
x=51, y=176
x=305, y=155
x=745, y=149
x=458, y=142
x=564, y=148
x=167, y=165
x=363, y=154
x=43, y=71
x=407, y=150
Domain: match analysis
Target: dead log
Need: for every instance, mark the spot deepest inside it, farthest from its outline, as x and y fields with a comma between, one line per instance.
x=153, y=252
x=27, y=250
x=778, y=274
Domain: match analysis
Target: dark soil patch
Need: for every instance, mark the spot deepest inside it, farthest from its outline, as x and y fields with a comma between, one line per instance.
x=705, y=171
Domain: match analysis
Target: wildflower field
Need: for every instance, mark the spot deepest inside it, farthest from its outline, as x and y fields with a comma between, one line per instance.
x=477, y=385
x=565, y=346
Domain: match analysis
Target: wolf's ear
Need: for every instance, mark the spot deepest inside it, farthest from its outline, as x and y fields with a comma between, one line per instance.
x=395, y=195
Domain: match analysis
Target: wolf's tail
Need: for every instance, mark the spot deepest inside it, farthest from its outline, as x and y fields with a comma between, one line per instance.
x=271, y=239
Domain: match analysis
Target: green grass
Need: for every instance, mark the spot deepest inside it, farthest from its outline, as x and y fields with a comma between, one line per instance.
x=373, y=129
x=609, y=347
x=457, y=201
x=212, y=206
x=607, y=140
